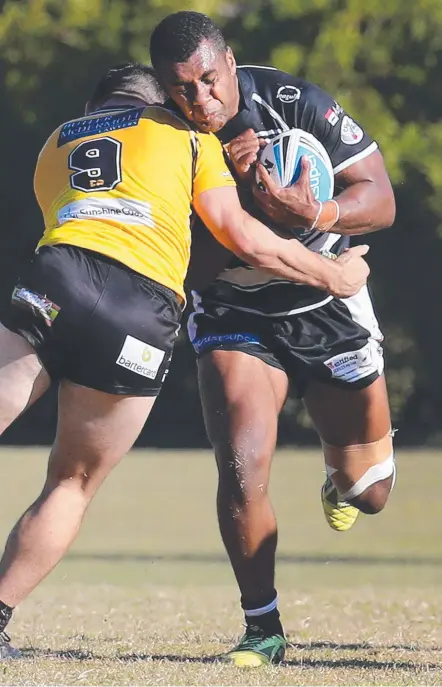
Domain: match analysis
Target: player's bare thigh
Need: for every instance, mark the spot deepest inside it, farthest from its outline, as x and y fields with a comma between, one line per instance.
x=242, y=397
x=95, y=430
x=23, y=378
x=344, y=417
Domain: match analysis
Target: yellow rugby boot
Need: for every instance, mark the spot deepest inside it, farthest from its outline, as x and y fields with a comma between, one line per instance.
x=340, y=515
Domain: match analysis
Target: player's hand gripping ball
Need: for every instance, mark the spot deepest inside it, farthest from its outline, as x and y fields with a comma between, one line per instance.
x=282, y=160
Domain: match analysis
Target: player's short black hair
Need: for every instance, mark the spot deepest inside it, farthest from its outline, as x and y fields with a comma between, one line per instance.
x=131, y=79
x=178, y=35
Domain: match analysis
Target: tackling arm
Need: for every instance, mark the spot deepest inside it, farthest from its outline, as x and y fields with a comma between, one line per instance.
x=253, y=242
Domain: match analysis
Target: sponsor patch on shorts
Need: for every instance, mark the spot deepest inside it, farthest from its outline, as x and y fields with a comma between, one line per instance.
x=40, y=305
x=354, y=365
x=140, y=357
x=221, y=339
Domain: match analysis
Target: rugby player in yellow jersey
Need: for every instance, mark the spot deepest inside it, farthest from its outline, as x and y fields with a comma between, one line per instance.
x=98, y=309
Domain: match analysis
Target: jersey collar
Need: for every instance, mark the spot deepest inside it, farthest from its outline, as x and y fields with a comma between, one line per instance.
x=241, y=121
x=245, y=84
x=116, y=108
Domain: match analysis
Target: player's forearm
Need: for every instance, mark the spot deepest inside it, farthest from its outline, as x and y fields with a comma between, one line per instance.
x=287, y=259
x=364, y=207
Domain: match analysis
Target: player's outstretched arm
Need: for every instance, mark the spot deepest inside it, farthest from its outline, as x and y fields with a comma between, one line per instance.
x=253, y=242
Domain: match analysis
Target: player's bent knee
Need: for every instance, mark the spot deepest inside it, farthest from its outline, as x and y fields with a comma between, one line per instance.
x=78, y=474
x=363, y=474
x=373, y=499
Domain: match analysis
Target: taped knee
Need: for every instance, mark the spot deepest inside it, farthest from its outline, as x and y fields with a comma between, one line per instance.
x=354, y=469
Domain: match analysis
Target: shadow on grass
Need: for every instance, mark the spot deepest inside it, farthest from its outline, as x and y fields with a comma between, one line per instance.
x=303, y=662
x=362, y=646
x=189, y=557
x=360, y=663
x=80, y=655
x=69, y=654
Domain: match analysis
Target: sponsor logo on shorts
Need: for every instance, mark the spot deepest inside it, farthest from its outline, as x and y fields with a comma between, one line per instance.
x=116, y=209
x=214, y=340
x=288, y=94
x=351, y=133
x=39, y=304
x=140, y=357
x=354, y=365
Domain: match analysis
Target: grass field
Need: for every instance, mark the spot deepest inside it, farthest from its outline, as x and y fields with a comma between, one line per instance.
x=146, y=596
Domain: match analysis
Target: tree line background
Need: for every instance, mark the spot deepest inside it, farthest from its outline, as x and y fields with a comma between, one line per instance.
x=381, y=59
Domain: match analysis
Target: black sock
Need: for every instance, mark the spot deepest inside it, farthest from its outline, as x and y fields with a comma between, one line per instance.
x=5, y=615
x=269, y=622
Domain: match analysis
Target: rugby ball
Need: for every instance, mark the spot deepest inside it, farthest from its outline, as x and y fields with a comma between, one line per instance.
x=282, y=159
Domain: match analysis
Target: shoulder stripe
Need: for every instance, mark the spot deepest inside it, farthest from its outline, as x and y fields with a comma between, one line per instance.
x=256, y=66
x=356, y=158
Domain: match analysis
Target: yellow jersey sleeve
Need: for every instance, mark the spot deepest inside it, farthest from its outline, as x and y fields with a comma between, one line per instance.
x=211, y=170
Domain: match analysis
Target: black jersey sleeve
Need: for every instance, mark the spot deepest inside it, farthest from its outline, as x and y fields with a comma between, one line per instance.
x=343, y=138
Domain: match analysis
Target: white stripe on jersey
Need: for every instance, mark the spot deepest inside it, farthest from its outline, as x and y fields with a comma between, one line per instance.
x=269, y=132
x=257, y=98
x=295, y=311
x=284, y=127
x=356, y=158
x=255, y=66
x=317, y=242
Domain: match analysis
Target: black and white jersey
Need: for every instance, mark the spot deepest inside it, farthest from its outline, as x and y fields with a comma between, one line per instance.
x=271, y=102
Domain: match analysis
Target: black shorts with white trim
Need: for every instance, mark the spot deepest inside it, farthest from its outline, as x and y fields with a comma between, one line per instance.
x=338, y=343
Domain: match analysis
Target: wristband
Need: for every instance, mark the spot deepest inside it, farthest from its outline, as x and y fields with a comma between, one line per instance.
x=327, y=216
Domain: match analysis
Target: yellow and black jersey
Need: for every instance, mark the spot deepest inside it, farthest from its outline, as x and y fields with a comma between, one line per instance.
x=121, y=183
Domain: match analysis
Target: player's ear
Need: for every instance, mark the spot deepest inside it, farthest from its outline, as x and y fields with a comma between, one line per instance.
x=231, y=62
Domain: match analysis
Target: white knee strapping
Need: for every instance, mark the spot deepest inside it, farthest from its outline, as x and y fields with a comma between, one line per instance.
x=374, y=474
x=353, y=469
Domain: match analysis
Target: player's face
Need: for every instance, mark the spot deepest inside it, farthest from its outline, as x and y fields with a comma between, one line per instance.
x=205, y=87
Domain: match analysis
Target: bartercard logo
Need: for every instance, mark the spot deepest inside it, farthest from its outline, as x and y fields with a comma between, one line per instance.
x=140, y=357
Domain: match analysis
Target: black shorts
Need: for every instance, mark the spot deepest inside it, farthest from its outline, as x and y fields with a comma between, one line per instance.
x=338, y=343
x=94, y=321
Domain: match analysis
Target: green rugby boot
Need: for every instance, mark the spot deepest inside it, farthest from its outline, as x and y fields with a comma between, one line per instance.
x=256, y=648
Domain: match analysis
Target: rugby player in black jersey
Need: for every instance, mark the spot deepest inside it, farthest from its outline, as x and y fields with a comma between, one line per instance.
x=254, y=334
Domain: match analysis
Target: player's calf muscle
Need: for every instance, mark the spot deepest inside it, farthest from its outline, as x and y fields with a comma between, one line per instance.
x=374, y=499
